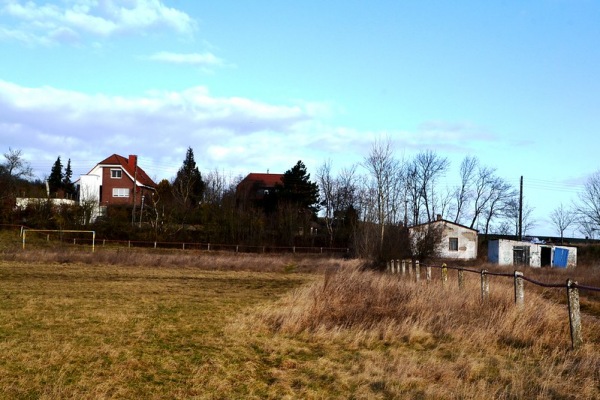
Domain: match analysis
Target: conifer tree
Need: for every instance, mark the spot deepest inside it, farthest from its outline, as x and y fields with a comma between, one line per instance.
x=188, y=185
x=66, y=182
x=55, y=180
x=299, y=190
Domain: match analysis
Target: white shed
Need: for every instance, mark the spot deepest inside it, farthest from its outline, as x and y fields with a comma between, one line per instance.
x=458, y=241
x=514, y=252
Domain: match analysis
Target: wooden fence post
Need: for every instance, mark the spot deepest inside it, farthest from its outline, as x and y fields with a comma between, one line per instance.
x=444, y=274
x=485, y=286
x=519, y=289
x=574, y=314
x=461, y=279
x=417, y=271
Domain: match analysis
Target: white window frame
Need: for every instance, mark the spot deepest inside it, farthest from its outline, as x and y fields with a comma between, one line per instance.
x=116, y=173
x=120, y=192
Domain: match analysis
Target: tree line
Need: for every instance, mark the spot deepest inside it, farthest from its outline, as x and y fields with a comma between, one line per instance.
x=365, y=207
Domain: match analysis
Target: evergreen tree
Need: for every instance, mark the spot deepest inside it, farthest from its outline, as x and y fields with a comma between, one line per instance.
x=55, y=179
x=188, y=185
x=66, y=182
x=299, y=190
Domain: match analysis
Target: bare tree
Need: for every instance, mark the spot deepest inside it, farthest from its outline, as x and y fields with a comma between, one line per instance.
x=501, y=195
x=327, y=194
x=588, y=205
x=464, y=193
x=484, y=178
x=12, y=170
x=562, y=218
x=427, y=168
x=385, y=173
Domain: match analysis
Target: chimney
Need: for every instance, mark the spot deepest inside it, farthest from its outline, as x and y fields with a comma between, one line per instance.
x=132, y=160
x=439, y=217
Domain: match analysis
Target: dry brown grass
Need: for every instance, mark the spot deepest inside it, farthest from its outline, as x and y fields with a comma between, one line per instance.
x=387, y=337
x=154, y=324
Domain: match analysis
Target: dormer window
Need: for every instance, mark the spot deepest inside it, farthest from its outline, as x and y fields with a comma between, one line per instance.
x=116, y=173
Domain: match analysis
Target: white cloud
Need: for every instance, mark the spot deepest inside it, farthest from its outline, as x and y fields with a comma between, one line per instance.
x=232, y=133
x=47, y=23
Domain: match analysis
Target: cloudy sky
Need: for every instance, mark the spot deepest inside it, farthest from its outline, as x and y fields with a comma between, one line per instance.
x=256, y=85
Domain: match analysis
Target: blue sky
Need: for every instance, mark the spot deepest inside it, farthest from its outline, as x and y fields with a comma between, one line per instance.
x=257, y=85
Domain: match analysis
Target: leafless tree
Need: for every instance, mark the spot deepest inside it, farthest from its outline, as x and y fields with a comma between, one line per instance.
x=328, y=196
x=13, y=169
x=464, y=193
x=386, y=177
x=501, y=195
x=215, y=186
x=427, y=168
x=562, y=218
x=481, y=193
x=511, y=216
x=588, y=204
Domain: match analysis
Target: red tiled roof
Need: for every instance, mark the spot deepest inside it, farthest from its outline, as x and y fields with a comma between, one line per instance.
x=269, y=180
x=142, y=177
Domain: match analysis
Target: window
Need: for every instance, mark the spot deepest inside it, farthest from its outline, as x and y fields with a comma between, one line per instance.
x=117, y=192
x=115, y=173
x=453, y=244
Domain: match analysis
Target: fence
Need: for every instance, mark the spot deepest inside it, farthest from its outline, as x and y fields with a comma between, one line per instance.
x=237, y=248
x=406, y=267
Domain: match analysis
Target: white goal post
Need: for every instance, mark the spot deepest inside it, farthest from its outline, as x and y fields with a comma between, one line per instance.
x=24, y=234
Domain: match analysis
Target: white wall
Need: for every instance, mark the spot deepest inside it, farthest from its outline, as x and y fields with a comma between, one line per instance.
x=501, y=252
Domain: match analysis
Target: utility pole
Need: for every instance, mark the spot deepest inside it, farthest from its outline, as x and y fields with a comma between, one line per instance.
x=521, y=210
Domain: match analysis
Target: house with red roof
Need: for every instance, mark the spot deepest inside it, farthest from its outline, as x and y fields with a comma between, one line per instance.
x=116, y=180
x=256, y=186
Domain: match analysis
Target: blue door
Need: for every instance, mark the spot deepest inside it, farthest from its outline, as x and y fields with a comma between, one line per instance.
x=560, y=258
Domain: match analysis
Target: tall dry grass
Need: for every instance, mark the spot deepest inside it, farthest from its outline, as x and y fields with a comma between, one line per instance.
x=423, y=340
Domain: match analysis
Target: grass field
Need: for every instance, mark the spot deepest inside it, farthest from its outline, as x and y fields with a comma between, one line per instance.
x=164, y=325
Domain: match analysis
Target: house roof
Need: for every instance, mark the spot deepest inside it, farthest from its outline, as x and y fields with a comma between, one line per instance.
x=268, y=180
x=445, y=221
x=142, y=177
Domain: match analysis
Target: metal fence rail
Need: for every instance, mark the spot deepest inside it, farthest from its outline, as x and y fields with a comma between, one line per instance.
x=408, y=268
x=188, y=245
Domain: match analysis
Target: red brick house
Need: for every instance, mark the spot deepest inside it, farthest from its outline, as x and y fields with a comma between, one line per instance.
x=256, y=185
x=116, y=180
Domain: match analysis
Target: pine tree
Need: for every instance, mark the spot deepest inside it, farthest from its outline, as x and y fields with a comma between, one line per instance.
x=66, y=182
x=55, y=179
x=299, y=190
x=188, y=186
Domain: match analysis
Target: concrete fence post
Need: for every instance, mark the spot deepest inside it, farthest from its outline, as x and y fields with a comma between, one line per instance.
x=417, y=271
x=519, y=289
x=485, y=286
x=461, y=279
x=444, y=274
x=154, y=244
x=397, y=263
x=428, y=273
x=574, y=314
x=410, y=268
x=403, y=267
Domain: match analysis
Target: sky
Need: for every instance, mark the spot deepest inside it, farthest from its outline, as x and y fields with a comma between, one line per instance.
x=255, y=86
